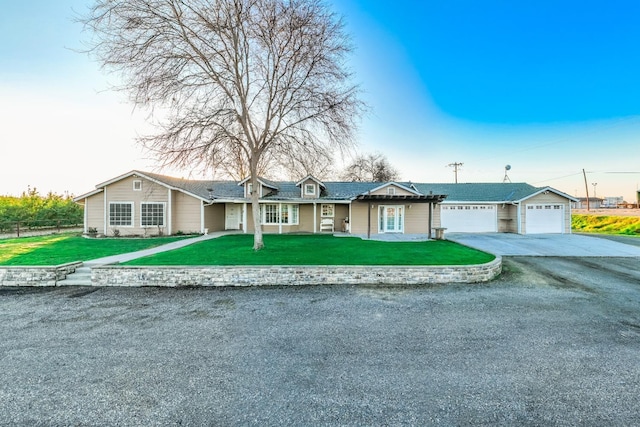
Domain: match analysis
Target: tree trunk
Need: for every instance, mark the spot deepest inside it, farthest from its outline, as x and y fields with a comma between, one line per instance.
x=255, y=210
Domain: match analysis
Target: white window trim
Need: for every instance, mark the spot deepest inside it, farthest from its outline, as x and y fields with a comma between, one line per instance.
x=306, y=189
x=391, y=191
x=137, y=181
x=279, y=206
x=133, y=214
x=381, y=209
x=164, y=214
x=333, y=210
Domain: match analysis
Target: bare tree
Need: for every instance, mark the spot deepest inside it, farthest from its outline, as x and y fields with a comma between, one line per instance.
x=230, y=80
x=371, y=167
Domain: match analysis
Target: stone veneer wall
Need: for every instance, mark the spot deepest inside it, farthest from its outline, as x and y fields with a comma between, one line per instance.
x=36, y=276
x=114, y=275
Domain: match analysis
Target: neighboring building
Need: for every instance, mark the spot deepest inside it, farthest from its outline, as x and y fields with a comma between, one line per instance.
x=612, y=202
x=581, y=203
x=142, y=203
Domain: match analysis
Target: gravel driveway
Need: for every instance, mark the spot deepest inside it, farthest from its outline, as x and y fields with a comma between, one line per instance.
x=554, y=341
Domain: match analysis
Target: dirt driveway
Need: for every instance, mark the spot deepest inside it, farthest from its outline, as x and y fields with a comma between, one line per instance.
x=568, y=245
x=554, y=341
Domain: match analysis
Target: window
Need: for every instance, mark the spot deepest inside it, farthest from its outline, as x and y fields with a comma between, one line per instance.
x=249, y=189
x=121, y=214
x=270, y=214
x=309, y=189
x=152, y=214
x=327, y=210
x=391, y=191
x=276, y=214
x=137, y=185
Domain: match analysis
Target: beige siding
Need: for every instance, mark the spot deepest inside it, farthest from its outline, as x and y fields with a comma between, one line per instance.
x=359, y=217
x=549, y=198
x=214, y=216
x=437, y=215
x=186, y=213
x=94, y=207
x=341, y=212
x=416, y=218
x=399, y=191
x=507, y=218
x=122, y=191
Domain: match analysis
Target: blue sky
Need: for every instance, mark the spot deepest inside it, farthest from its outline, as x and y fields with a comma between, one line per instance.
x=549, y=87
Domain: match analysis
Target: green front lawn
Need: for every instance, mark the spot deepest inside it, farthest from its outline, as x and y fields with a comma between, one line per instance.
x=63, y=248
x=316, y=250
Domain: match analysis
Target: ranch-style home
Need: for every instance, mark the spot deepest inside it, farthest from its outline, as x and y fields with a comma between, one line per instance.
x=144, y=203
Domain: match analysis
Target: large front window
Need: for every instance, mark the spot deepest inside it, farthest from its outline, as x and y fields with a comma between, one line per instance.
x=121, y=214
x=152, y=214
x=279, y=214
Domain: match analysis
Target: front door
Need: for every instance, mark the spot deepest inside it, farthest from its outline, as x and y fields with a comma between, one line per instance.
x=391, y=219
x=232, y=216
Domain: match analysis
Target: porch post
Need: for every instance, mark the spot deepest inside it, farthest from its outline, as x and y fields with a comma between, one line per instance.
x=368, y=220
x=315, y=219
x=106, y=212
x=430, y=219
x=280, y=218
x=244, y=217
x=86, y=214
x=169, y=216
x=202, y=217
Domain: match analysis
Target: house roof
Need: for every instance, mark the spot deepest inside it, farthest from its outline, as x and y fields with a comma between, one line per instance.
x=210, y=190
x=490, y=192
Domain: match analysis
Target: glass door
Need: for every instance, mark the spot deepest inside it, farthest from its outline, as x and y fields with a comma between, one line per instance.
x=391, y=219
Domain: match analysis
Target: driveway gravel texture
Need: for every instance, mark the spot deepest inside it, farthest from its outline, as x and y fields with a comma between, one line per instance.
x=553, y=341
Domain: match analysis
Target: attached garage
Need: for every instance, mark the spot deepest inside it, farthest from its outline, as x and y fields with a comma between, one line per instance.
x=469, y=218
x=544, y=218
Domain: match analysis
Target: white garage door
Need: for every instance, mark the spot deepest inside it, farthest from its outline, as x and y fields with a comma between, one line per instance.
x=469, y=218
x=548, y=218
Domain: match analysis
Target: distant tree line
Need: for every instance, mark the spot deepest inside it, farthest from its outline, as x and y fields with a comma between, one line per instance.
x=33, y=210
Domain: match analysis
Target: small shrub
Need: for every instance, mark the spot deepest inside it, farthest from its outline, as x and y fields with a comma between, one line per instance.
x=92, y=231
x=116, y=232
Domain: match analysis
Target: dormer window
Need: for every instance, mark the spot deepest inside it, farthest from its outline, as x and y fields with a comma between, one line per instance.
x=309, y=189
x=249, y=189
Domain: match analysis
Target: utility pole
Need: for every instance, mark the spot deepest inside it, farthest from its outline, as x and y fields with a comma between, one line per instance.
x=456, y=167
x=586, y=188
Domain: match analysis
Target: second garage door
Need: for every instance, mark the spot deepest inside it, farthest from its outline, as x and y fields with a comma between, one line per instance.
x=469, y=218
x=547, y=218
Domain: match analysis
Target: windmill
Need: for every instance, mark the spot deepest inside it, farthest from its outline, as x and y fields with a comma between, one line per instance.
x=506, y=178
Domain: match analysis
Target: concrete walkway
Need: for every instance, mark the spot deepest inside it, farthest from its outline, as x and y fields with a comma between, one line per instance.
x=152, y=251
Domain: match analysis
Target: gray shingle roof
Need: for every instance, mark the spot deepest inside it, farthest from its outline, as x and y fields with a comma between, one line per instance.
x=342, y=190
x=480, y=192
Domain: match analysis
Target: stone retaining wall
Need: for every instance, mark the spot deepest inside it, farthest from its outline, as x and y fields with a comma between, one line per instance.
x=36, y=276
x=114, y=275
